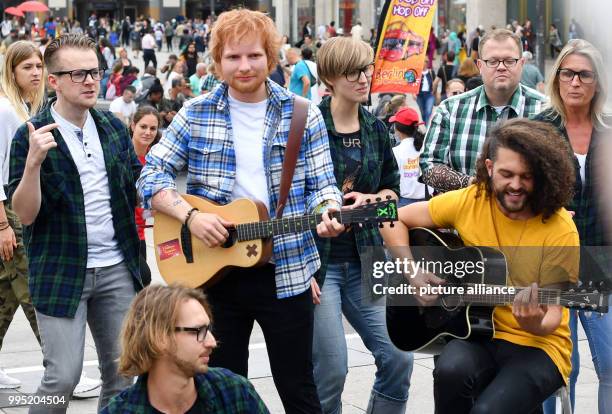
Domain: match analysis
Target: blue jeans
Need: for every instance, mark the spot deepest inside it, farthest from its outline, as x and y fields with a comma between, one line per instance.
x=107, y=294
x=598, y=328
x=426, y=101
x=341, y=294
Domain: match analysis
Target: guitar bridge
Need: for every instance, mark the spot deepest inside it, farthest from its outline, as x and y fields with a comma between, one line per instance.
x=186, y=244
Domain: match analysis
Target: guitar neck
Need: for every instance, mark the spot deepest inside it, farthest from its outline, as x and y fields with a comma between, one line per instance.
x=477, y=294
x=295, y=224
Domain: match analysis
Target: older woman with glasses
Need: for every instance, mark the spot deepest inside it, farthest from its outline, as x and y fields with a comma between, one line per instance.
x=365, y=168
x=577, y=87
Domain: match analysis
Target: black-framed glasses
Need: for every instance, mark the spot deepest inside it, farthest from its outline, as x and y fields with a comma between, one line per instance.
x=453, y=93
x=200, y=332
x=494, y=63
x=79, y=75
x=568, y=75
x=355, y=74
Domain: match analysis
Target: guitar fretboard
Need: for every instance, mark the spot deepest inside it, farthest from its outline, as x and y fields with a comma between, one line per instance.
x=545, y=296
x=264, y=229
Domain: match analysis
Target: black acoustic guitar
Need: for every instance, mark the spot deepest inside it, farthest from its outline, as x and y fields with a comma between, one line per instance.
x=428, y=329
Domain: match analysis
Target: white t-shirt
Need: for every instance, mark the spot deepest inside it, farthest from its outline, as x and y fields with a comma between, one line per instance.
x=119, y=106
x=148, y=41
x=168, y=84
x=407, y=158
x=247, y=130
x=102, y=247
x=582, y=162
x=426, y=87
x=9, y=123
x=356, y=32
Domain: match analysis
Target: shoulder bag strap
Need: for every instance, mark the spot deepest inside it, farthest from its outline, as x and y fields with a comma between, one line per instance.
x=296, y=134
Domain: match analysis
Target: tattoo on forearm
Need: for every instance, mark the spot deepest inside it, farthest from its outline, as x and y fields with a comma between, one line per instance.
x=443, y=178
x=177, y=202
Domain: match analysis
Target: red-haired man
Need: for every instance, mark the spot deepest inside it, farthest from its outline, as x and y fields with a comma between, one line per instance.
x=232, y=140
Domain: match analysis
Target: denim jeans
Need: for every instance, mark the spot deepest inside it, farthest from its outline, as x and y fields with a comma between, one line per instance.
x=107, y=294
x=426, y=101
x=598, y=329
x=341, y=294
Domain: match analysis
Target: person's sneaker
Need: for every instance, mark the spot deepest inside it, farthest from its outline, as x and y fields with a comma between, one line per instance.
x=85, y=385
x=8, y=382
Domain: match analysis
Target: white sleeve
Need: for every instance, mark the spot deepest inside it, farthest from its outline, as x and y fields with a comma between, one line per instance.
x=9, y=122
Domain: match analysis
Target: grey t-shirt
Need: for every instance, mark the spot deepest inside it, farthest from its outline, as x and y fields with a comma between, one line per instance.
x=531, y=76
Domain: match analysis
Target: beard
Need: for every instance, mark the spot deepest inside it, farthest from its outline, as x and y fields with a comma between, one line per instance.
x=247, y=87
x=512, y=206
x=189, y=368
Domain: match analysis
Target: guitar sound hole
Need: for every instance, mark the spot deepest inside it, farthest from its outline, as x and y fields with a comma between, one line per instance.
x=231, y=240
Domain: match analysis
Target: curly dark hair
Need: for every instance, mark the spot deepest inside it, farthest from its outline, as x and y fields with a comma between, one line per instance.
x=546, y=152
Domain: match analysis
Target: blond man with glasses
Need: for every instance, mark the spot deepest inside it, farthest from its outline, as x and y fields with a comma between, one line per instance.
x=167, y=340
x=72, y=181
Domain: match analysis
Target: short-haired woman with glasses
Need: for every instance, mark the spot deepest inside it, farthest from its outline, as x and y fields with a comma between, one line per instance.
x=365, y=168
x=577, y=87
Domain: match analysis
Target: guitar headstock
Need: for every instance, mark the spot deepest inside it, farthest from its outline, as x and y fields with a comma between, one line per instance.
x=585, y=298
x=372, y=213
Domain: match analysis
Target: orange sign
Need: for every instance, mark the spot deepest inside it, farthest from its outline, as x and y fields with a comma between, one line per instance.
x=402, y=45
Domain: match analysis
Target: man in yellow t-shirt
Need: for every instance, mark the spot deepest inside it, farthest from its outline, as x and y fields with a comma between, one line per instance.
x=524, y=178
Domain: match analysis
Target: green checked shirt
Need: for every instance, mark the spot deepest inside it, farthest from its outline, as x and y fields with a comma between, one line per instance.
x=56, y=242
x=378, y=172
x=219, y=391
x=458, y=131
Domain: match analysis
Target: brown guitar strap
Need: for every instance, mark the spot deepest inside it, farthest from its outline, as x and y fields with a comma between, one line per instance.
x=296, y=134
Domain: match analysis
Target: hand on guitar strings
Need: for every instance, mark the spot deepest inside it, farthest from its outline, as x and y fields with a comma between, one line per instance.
x=210, y=228
x=422, y=280
x=527, y=310
x=329, y=227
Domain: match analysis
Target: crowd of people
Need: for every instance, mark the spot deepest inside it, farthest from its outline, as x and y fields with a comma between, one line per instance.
x=487, y=155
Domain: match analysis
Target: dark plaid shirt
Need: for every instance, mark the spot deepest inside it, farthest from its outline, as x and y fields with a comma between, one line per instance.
x=219, y=390
x=56, y=242
x=589, y=217
x=379, y=171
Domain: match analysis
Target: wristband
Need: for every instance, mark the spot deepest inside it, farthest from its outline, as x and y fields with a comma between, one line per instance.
x=189, y=213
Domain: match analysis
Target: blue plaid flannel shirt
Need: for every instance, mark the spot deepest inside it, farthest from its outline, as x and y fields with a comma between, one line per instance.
x=200, y=140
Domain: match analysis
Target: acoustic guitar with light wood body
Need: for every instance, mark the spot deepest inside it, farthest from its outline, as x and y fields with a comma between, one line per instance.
x=183, y=258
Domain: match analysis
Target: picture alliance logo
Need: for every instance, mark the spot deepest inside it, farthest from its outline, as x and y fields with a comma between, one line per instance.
x=410, y=267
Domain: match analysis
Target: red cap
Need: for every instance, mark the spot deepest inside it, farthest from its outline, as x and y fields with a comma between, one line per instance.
x=406, y=116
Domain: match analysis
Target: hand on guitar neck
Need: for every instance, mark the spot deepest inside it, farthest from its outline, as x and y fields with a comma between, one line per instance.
x=532, y=316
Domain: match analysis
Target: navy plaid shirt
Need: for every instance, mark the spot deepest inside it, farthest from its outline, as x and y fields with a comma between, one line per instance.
x=56, y=243
x=219, y=390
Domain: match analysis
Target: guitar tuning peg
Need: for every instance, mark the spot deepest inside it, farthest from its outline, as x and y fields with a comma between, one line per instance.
x=378, y=199
x=381, y=225
x=392, y=224
x=388, y=197
x=368, y=200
